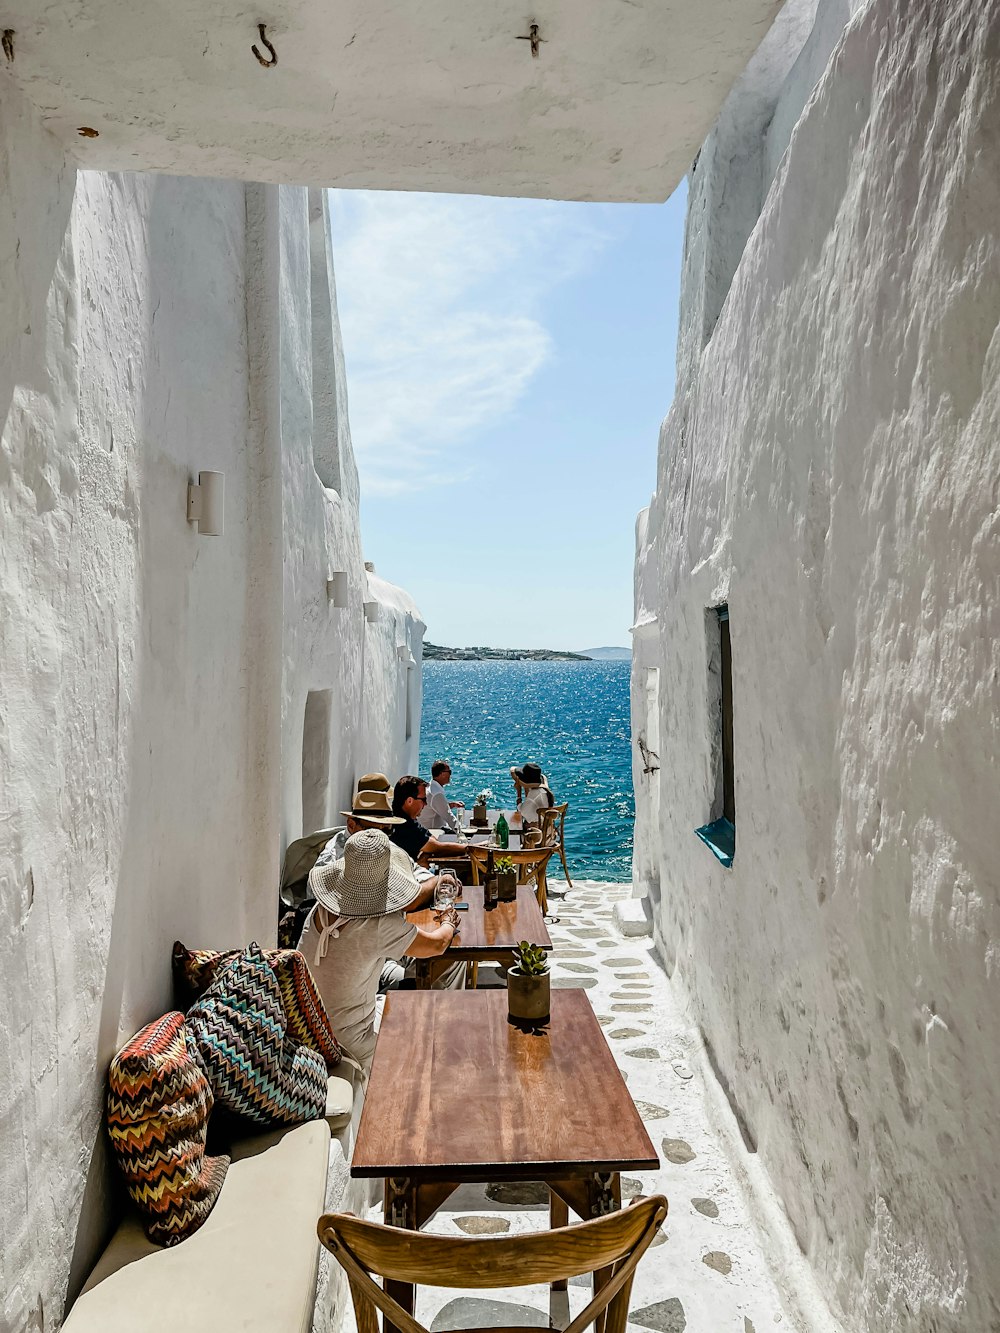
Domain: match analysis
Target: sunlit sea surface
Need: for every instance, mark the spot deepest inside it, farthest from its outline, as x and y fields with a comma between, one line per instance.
x=570, y=717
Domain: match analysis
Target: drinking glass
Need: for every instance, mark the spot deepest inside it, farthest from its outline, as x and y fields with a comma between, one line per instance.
x=446, y=892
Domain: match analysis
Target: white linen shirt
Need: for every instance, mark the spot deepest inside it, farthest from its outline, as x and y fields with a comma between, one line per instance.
x=437, y=813
x=535, y=801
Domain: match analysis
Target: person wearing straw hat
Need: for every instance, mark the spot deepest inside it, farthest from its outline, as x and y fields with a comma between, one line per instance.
x=537, y=794
x=357, y=925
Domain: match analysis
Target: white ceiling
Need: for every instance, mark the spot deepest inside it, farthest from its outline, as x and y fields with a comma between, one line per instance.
x=390, y=94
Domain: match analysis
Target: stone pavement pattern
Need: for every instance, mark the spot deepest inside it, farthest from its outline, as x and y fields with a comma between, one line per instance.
x=706, y=1273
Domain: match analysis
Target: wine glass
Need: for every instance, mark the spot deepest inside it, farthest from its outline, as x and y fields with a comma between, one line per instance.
x=446, y=892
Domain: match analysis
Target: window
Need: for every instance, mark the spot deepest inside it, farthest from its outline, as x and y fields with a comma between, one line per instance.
x=719, y=833
x=726, y=706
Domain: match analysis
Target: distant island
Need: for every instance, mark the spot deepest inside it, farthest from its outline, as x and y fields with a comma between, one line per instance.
x=433, y=652
x=607, y=654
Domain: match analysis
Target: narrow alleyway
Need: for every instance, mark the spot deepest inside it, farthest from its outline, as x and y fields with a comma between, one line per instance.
x=707, y=1272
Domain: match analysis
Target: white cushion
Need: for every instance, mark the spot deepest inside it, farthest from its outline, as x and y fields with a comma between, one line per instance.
x=339, y=1101
x=251, y=1268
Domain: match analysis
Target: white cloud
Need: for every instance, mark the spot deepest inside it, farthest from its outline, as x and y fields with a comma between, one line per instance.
x=442, y=304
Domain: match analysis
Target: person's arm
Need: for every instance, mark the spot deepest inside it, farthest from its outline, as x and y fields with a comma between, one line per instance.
x=428, y=883
x=434, y=850
x=435, y=941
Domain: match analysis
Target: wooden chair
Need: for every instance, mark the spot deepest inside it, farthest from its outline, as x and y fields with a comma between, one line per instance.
x=530, y=863
x=553, y=825
x=609, y=1247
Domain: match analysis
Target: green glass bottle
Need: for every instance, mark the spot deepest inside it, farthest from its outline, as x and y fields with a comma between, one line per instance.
x=502, y=832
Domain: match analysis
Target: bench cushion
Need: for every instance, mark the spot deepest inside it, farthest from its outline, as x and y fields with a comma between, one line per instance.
x=239, y=1027
x=251, y=1268
x=157, y=1114
x=339, y=1101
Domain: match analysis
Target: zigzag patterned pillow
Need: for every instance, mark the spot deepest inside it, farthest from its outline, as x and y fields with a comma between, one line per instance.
x=157, y=1115
x=305, y=1012
x=254, y=1068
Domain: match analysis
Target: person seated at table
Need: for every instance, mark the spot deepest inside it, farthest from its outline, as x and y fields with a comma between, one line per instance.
x=357, y=925
x=537, y=794
x=371, y=809
x=437, y=813
x=409, y=796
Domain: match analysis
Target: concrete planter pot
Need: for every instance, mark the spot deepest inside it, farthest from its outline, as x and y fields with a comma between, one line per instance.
x=507, y=886
x=528, y=997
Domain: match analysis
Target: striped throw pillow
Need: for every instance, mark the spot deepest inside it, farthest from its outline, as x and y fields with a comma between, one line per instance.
x=255, y=1069
x=305, y=1012
x=157, y=1116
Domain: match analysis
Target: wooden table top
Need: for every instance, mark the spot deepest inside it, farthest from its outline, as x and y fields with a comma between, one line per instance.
x=458, y=1093
x=502, y=927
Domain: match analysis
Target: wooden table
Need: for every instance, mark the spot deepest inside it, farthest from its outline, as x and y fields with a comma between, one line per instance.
x=485, y=936
x=458, y=1094
x=481, y=836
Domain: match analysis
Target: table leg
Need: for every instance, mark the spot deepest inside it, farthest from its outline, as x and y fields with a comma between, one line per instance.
x=604, y=1190
x=596, y=1195
x=558, y=1217
x=399, y=1210
x=423, y=973
x=410, y=1204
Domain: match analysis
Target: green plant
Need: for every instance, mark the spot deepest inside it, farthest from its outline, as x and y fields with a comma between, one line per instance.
x=503, y=865
x=530, y=960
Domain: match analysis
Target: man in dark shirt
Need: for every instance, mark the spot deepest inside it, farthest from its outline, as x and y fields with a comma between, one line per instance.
x=408, y=800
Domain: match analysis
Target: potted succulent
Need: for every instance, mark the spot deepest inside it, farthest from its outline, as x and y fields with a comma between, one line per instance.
x=528, y=984
x=479, y=811
x=506, y=874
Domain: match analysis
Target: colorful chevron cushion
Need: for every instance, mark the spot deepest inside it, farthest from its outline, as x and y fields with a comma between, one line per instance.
x=157, y=1115
x=305, y=1012
x=254, y=1067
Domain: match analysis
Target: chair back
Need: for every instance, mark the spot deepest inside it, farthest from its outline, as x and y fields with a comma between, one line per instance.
x=528, y=861
x=616, y=1242
x=554, y=818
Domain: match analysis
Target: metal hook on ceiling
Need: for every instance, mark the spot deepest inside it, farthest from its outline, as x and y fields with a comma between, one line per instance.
x=8, y=44
x=268, y=64
x=532, y=36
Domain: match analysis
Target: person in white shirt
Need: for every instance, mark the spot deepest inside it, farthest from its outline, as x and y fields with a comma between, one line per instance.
x=437, y=813
x=537, y=795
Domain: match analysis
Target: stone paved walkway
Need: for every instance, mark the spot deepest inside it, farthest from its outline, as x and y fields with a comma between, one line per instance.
x=707, y=1272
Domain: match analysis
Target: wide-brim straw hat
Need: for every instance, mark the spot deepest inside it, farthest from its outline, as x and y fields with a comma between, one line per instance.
x=374, y=782
x=530, y=775
x=374, y=808
x=369, y=881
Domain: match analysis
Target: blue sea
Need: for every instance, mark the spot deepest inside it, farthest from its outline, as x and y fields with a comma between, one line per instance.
x=570, y=717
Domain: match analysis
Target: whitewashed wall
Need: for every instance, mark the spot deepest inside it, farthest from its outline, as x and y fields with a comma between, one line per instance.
x=154, y=681
x=830, y=467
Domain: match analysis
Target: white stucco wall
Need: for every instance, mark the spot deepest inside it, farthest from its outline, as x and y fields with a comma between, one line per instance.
x=153, y=680
x=829, y=467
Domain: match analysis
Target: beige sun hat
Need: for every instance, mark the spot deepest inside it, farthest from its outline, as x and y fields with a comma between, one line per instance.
x=368, y=882
x=373, y=807
x=374, y=782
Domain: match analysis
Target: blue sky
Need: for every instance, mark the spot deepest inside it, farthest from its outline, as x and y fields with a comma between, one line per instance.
x=509, y=362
